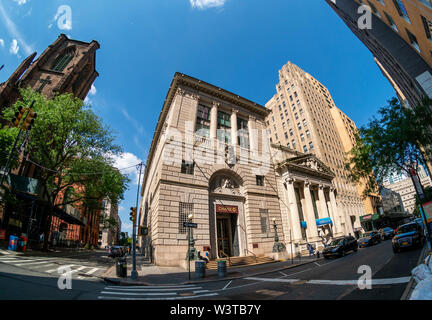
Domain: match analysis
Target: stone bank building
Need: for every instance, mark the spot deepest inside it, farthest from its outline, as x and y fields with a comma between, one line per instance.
x=211, y=158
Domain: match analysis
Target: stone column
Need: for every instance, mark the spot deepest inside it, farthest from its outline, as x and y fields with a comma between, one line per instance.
x=253, y=135
x=234, y=127
x=323, y=213
x=213, y=120
x=336, y=214
x=312, y=230
x=294, y=212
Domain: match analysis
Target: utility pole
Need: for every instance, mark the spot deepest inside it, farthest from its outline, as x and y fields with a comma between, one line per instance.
x=134, y=273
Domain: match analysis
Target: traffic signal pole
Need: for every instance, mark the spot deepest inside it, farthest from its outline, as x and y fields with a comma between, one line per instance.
x=134, y=273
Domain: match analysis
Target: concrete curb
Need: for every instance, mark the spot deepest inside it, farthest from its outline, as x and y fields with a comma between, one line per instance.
x=411, y=284
x=120, y=282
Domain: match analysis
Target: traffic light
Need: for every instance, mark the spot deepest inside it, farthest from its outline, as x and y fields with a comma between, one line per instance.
x=29, y=120
x=18, y=116
x=133, y=214
x=142, y=231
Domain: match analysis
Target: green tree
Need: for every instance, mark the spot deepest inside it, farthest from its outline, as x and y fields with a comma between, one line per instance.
x=398, y=141
x=73, y=150
x=427, y=198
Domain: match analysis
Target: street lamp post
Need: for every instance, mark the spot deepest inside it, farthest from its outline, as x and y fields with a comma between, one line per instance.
x=277, y=247
x=191, y=244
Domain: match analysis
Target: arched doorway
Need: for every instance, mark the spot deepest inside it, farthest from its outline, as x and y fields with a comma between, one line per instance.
x=227, y=217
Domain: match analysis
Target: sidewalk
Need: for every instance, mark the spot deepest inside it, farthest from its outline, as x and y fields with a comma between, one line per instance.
x=149, y=274
x=31, y=252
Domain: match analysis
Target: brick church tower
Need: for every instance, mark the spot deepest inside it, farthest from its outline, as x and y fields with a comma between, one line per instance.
x=66, y=66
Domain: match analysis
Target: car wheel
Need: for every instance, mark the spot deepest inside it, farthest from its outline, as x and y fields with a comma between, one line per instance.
x=355, y=249
x=343, y=253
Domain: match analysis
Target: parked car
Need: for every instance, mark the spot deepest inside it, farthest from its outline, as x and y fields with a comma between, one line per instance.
x=340, y=246
x=386, y=233
x=369, y=239
x=407, y=236
x=115, y=251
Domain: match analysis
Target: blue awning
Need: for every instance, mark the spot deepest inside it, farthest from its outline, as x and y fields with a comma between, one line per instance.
x=303, y=224
x=324, y=221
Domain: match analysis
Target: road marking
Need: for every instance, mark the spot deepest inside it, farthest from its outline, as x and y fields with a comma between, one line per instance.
x=141, y=294
x=28, y=263
x=227, y=285
x=161, y=298
x=337, y=282
x=317, y=264
x=92, y=271
x=200, y=291
x=283, y=274
x=154, y=290
x=44, y=265
x=56, y=269
x=153, y=287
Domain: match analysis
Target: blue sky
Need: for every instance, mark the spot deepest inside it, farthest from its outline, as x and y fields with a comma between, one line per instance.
x=238, y=45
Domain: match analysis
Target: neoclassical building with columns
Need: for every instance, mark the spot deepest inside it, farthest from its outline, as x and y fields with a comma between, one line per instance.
x=211, y=163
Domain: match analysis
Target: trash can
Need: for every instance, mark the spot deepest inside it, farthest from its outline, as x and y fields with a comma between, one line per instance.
x=121, y=267
x=200, y=267
x=221, y=267
x=23, y=243
x=13, y=243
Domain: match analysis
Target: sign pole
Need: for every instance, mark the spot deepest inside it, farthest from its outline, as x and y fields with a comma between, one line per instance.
x=134, y=273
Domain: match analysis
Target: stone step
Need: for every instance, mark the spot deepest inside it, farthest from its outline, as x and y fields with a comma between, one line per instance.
x=240, y=261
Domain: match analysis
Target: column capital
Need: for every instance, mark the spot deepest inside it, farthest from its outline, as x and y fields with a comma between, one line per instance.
x=216, y=104
x=252, y=118
x=290, y=180
x=307, y=183
x=194, y=97
x=234, y=111
x=321, y=187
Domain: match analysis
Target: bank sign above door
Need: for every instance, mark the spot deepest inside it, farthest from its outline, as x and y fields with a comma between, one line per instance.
x=220, y=208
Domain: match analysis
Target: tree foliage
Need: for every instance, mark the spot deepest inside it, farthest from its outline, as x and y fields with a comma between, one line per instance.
x=392, y=143
x=72, y=148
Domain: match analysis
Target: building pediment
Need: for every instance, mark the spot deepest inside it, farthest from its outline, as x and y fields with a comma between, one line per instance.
x=307, y=164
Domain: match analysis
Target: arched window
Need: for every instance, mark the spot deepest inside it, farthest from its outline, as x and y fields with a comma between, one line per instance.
x=63, y=60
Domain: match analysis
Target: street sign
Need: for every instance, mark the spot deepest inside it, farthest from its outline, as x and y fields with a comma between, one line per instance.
x=190, y=225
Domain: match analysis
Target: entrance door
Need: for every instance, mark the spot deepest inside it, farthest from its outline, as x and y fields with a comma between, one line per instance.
x=224, y=236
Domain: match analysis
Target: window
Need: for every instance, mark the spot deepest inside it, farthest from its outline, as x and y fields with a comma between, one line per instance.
x=260, y=181
x=400, y=7
x=265, y=221
x=280, y=108
x=224, y=127
x=391, y=21
x=295, y=94
x=427, y=3
x=293, y=143
x=305, y=149
x=291, y=98
x=311, y=145
x=307, y=133
x=62, y=61
x=288, y=145
x=203, y=121
x=242, y=133
x=304, y=122
x=187, y=167
x=276, y=137
x=291, y=132
x=296, y=116
x=184, y=210
x=427, y=24
x=374, y=9
x=299, y=126
x=413, y=40
x=302, y=137
x=281, y=115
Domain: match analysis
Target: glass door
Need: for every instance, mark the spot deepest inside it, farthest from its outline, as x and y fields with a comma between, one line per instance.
x=223, y=236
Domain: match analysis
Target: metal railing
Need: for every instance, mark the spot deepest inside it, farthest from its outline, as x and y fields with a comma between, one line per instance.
x=255, y=257
x=221, y=253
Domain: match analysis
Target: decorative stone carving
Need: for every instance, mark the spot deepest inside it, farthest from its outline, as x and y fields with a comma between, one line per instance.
x=226, y=185
x=180, y=92
x=195, y=97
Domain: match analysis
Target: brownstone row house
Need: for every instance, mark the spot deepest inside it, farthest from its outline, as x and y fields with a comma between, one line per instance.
x=66, y=66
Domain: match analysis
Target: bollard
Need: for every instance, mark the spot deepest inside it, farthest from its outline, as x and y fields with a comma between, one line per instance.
x=200, y=267
x=221, y=266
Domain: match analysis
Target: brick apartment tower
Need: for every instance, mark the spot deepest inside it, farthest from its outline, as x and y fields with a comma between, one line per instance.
x=302, y=119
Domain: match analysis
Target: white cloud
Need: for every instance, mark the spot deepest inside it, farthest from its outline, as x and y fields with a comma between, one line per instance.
x=2, y=43
x=134, y=122
x=12, y=29
x=20, y=2
x=14, y=48
x=130, y=161
x=93, y=90
x=205, y=4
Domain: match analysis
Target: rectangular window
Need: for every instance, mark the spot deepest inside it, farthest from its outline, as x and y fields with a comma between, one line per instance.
x=427, y=3
x=305, y=149
x=286, y=135
x=311, y=145
x=302, y=137
x=184, y=210
x=374, y=9
x=413, y=40
x=293, y=143
x=242, y=133
x=400, y=7
x=265, y=221
x=203, y=121
x=224, y=127
x=260, y=181
x=391, y=21
x=427, y=24
x=187, y=167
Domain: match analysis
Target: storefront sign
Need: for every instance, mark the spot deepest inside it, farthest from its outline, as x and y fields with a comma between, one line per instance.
x=366, y=218
x=427, y=208
x=226, y=209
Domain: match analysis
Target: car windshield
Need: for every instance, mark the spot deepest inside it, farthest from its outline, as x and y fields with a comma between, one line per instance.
x=336, y=242
x=367, y=235
x=407, y=228
x=388, y=229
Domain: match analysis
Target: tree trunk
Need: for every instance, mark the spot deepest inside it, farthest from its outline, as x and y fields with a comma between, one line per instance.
x=48, y=228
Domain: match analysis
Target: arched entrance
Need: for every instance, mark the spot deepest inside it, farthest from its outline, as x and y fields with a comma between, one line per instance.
x=227, y=216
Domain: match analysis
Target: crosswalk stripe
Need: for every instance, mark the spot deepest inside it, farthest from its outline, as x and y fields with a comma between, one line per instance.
x=92, y=271
x=44, y=265
x=154, y=290
x=24, y=264
x=141, y=294
x=56, y=269
x=160, y=298
x=154, y=287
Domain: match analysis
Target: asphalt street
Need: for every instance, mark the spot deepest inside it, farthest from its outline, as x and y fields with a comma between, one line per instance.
x=334, y=279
